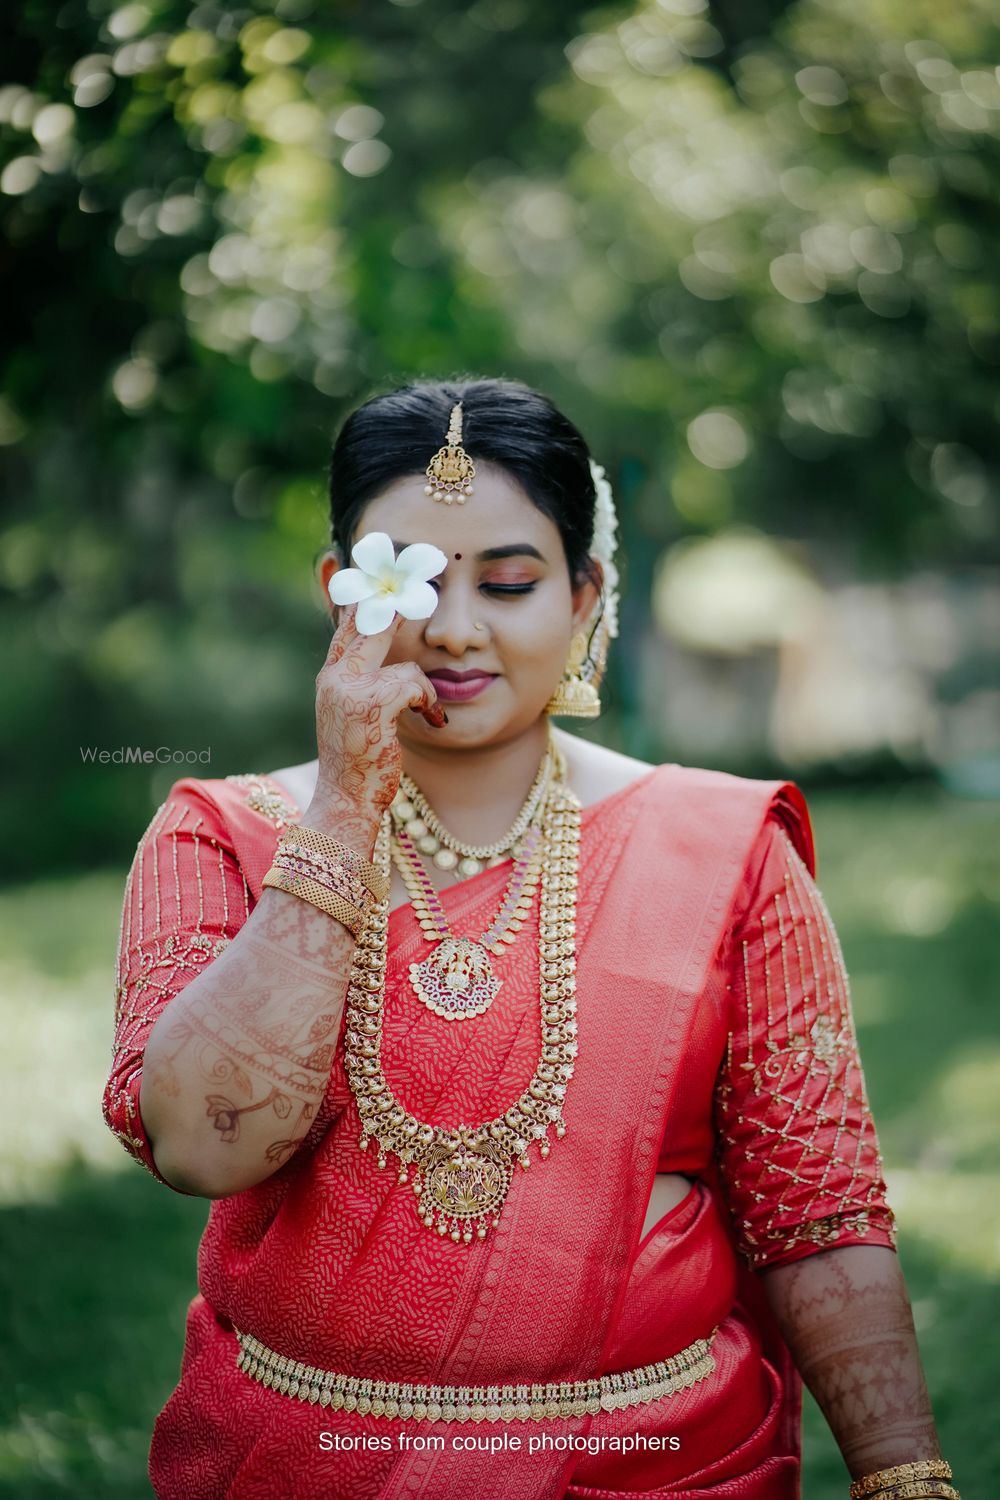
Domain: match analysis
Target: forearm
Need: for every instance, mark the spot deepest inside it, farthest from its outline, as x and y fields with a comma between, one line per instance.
x=846, y=1317
x=237, y=1064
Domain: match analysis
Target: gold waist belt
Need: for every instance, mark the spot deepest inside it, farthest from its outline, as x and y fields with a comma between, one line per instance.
x=474, y=1403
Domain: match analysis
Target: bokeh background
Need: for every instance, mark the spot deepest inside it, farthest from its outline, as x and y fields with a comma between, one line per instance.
x=752, y=249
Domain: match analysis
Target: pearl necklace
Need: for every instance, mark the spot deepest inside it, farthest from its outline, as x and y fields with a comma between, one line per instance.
x=411, y=808
x=463, y=1172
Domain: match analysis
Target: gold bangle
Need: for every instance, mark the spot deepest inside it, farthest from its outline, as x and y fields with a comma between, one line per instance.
x=919, y=1489
x=299, y=860
x=317, y=895
x=321, y=843
x=882, y=1479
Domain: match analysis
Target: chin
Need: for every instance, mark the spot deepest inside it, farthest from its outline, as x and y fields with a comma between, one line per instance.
x=471, y=726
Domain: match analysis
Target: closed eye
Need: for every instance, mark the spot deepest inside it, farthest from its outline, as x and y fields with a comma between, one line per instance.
x=494, y=588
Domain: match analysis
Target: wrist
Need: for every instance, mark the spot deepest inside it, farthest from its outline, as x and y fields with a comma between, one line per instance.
x=336, y=816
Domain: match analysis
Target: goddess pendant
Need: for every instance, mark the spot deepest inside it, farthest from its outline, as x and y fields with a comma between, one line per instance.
x=456, y=980
x=466, y=1187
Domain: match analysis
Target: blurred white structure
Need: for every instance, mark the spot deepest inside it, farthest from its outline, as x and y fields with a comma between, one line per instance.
x=752, y=654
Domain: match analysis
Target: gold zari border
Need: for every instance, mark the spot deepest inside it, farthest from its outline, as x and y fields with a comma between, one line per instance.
x=466, y=1403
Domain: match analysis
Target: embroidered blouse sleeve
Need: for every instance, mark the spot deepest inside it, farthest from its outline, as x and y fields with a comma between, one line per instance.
x=185, y=898
x=799, y=1155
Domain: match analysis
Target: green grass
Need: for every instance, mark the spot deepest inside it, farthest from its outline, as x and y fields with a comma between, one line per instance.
x=100, y=1261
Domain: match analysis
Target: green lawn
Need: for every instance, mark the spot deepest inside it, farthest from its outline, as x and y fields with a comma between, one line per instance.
x=99, y=1259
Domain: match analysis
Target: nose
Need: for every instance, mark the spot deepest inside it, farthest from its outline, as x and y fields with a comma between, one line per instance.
x=453, y=627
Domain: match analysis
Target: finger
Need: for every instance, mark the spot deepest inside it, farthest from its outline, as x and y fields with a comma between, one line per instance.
x=416, y=691
x=342, y=636
x=368, y=651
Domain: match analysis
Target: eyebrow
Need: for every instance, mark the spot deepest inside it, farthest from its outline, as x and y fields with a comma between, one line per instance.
x=515, y=549
x=494, y=554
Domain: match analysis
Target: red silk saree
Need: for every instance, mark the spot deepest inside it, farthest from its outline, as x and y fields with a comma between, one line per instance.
x=716, y=1040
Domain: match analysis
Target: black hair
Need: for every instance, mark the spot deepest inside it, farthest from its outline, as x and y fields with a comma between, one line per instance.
x=504, y=422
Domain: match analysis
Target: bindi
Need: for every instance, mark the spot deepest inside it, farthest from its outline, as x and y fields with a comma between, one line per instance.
x=458, y=557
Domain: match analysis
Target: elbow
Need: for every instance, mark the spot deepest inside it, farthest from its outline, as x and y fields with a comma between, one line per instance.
x=184, y=1158
x=177, y=1160
x=187, y=1166
x=188, y=1176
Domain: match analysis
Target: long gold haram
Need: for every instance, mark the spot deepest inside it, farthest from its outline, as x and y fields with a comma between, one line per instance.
x=463, y=1172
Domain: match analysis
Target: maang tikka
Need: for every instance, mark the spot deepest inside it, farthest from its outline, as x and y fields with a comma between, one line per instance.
x=451, y=470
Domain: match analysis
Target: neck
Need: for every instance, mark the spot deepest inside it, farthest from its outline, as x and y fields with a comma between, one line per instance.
x=477, y=792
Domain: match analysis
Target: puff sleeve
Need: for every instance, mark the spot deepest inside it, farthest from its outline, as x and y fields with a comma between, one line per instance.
x=798, y=1153
x=185, y=898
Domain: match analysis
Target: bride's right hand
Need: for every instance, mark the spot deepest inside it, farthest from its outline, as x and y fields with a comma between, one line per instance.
x=358, y=701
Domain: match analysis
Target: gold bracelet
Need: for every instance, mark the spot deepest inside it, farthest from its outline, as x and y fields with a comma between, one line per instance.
x=883, y=1479
x=321, y=843
x=317, y=895
x=335, y=874
x=919, y=1489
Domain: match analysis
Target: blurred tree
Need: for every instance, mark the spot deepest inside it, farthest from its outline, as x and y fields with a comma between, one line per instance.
x=751, y=249
x=787, y=248
x=215, y=243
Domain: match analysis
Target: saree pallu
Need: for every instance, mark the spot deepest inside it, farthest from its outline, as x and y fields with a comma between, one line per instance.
x=327, y=1262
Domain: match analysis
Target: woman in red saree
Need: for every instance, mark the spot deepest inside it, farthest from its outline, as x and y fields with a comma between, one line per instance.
x=714, y=1223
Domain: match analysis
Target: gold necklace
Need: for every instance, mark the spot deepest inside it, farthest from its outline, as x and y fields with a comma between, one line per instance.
x=456, y=979
x=410, y=807
x=463, y=1172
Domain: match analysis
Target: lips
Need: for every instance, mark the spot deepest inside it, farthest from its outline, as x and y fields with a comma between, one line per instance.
x=459, y=687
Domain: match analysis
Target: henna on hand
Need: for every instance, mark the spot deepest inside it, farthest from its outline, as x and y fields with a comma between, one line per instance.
x=246, y=1048
x=846, y=1317
x=358, y=700
x=236, y=1066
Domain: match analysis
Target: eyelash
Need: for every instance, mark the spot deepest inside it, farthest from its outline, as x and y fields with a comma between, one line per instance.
x=498, y=588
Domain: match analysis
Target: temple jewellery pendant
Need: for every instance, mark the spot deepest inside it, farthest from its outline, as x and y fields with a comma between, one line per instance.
x=456, y=979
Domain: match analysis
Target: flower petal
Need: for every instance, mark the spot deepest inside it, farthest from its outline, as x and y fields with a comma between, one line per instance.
x=415, y=599
x=349, y=585
x=421, y=560
x=374, y=553
x=375, y=614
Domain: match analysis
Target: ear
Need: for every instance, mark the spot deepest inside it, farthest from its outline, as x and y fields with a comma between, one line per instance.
x=327, y=564
x=587, y=595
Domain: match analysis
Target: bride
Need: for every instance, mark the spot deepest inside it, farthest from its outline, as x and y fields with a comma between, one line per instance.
x=521, y=1074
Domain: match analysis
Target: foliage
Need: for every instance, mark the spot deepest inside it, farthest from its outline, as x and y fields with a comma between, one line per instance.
x=752, y=250
x=786, y=252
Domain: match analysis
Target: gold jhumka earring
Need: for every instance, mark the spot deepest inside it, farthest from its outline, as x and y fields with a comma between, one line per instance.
x=577, y=695
x=451, y=471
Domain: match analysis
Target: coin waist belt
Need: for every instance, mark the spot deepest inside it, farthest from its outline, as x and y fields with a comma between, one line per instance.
x=474, y=1403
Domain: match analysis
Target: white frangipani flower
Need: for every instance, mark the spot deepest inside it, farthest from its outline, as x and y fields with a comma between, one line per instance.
x=384, y=585
x=605, y=544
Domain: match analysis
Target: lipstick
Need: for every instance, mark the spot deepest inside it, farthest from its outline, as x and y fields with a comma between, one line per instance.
x=459, y=687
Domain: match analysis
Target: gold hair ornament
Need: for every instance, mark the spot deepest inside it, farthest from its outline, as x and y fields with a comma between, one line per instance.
x=577, y=696
x=451, y=470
